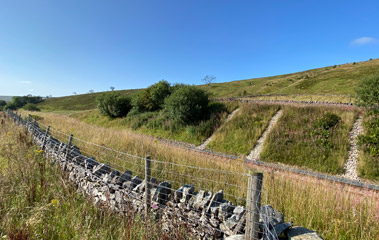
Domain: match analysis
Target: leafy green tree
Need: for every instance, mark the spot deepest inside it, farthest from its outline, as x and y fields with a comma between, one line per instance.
x=114, y=105
x=188, y=104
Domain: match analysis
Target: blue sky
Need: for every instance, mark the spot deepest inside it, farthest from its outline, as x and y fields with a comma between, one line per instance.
x=60, y=47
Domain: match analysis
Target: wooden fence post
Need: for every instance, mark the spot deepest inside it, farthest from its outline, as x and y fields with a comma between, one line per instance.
x=253, y=205
x=67, y=150
x=44, y=140
x=147, y=186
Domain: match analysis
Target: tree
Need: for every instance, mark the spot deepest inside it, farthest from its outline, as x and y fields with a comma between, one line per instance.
x=112, y=88
x=368, y=93
x=188, y=104
x=91, y=91
x=114, y=105
x=74, y=93
x=208, y=79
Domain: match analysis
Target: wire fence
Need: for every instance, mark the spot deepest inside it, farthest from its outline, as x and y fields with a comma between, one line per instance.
x=214, y=202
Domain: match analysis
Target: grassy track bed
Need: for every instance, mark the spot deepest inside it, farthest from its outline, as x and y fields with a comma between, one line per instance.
x=312, y=137
x=240, y=134
x=335, y=212
x=36, y=202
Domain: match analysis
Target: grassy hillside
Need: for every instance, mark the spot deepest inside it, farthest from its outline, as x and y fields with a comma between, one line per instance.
x=76, y=102
x=337, y=80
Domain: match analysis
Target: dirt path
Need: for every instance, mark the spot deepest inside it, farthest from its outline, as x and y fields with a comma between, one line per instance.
x=353, y=154
x=205, y=143
x=254, y=154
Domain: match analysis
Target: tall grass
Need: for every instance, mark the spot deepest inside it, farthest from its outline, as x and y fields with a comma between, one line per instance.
x=240, y=134
x=301, y=138
x=368, y=165
x=36, y=202
x=335, y=212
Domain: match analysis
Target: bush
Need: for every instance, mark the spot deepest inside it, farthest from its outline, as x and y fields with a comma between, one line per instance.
x=114, y=105
x=368, y=93
x=152, y=98
x=2, y=104
x=187, y=104
x=31, y=107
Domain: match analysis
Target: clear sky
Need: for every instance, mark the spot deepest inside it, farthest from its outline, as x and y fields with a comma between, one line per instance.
x=64, y=46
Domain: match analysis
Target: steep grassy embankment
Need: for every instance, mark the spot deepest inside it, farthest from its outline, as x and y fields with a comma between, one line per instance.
x=313, y=137
x=338, y=79
x=240, y=134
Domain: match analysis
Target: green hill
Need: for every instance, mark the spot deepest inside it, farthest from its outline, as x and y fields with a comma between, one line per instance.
x=332, y=80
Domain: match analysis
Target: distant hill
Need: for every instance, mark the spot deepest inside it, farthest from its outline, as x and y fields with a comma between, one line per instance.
x=6, y=98
x=338, y=79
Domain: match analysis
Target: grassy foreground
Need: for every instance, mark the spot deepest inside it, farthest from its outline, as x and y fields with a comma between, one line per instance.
x=311, y=137
x=335, y=212
x=240, y=134
x=36, y=202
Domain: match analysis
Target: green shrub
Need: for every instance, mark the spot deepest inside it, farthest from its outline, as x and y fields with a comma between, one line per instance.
x=188, y=104
x=368, y=93
x=152, y=98
x=31, y=107
x=112, y=104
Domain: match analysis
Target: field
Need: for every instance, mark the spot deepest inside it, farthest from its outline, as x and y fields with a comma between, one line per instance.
x=335, y=212
x=240, y=134
x=332, y=80
x=311, y=137
x=37, y=203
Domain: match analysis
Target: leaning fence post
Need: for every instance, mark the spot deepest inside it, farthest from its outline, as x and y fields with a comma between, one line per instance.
x=147, y=185
x=44, y=140
x=253, y=204
x=67, y=150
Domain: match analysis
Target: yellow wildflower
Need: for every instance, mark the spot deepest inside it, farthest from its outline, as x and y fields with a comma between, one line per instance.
x=39, y=151
x=10, y=133
x=54, y=202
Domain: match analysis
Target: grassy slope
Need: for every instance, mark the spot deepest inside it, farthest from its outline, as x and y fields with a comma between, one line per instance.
x=76, y=102
x=36, y=203
x=341, y=79
x=240, y=134
x=336, y=213
x=295, y=141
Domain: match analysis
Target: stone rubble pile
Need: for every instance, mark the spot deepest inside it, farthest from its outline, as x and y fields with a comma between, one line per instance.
x=207, y=215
